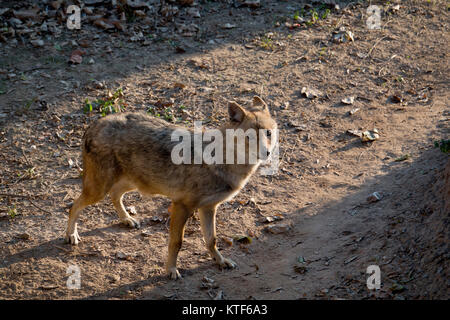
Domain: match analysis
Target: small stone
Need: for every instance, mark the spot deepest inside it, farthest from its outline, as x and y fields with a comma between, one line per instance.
x=156, y=219
x=114, y=278
x=252, y=3
x=15, y=22
x=297, y=125
x=285, y=106
x=300, y=269
x=140, y=13
x=374, y=197
x=193, y=12
x=397, y=98
x=24, y=236
x=396, y=8
x=37, y=43
x=310, y=93
x=146, y=233
x=348, y=100
x=242, y=239
x=273, y=218
x=353, y=111
x=98, y=84
x=122, y=255
x=228, y=241
x=228, y=26
x=367, y=136
x=342, y=35
x=207, y=283
x=278, y=228
x=88, y=10
x=44, y=27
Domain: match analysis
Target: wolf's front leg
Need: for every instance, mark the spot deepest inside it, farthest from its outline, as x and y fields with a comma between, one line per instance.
x=208, y=224
x=178, y=217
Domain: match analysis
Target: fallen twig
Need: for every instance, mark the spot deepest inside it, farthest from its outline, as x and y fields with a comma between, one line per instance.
x=26, y=158
x=373, y=47
x=63, y=249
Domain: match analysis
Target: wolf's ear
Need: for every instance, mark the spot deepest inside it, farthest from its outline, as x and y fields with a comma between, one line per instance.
x=259, y=103
x=236, y=112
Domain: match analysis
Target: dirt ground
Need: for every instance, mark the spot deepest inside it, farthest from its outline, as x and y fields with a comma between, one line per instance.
x=184, y=68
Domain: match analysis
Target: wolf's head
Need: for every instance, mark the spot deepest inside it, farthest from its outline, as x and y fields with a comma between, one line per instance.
x=255, y=119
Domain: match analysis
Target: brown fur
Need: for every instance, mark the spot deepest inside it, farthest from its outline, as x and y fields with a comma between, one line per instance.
x=129, y=151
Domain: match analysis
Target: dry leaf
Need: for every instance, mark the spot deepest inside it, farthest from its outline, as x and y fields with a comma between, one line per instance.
x=179, y=85
x=75, y=56
x=103, y=23
x=118, y=25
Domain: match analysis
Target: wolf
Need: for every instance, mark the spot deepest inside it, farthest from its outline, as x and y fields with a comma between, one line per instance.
x=132, y=151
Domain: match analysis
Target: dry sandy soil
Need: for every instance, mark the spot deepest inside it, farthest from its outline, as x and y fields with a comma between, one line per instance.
x=184, y=72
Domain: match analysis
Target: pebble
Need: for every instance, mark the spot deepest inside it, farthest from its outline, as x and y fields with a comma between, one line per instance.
x=121, y=255
x=24, y=236
x=37, y=43
x=278, y=228
x=374, y=197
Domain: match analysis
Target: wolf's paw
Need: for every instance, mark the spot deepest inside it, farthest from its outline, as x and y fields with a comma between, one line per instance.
x=227, y=264
x=174, y=274
x=131, y=222
x=73, y=238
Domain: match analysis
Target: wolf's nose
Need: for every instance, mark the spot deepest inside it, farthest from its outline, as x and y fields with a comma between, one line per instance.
x=268, y=154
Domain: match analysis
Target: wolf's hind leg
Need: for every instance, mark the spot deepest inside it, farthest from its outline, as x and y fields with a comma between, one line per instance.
x=117, y=191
